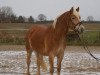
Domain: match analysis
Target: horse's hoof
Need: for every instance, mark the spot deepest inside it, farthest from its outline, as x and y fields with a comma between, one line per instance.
x=28, y=74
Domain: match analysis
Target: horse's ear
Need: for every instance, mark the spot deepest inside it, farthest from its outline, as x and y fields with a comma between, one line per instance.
x=77, y=9
x=71, y=10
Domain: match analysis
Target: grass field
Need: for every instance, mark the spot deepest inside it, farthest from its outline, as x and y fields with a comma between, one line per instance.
x=88, y=26
x=14, y=33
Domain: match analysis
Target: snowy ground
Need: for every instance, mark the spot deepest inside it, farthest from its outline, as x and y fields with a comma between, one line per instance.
x=14, y=63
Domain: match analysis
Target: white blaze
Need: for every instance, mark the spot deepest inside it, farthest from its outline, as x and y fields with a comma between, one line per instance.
x=76, y=14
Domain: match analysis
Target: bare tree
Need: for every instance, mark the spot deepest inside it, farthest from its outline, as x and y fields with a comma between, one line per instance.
x=90, y=18
x=5, y=13
x=13, y=18
x=0, y=15
x=31, y=19
x=20, y=19
x=41, y=17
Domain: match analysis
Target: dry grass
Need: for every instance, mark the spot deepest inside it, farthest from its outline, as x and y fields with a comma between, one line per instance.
x=17, y=25
x=89, y=26
x=92, y=26
x=17, y=33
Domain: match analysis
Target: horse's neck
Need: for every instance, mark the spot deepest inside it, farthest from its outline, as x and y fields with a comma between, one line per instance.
x=61, y=28
x=57, y=33
x=63, y=23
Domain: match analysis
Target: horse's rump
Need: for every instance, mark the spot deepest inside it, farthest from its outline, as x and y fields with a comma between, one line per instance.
x=35, y=38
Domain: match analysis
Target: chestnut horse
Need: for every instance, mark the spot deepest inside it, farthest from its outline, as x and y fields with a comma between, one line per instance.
x=51, y=41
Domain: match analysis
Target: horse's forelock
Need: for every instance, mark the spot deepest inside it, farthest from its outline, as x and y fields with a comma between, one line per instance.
x=76, y=13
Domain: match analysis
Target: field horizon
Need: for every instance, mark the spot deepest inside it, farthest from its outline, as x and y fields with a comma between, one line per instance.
x=14, y=33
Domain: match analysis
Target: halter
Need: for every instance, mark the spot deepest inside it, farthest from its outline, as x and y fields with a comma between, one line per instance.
x=74, y=25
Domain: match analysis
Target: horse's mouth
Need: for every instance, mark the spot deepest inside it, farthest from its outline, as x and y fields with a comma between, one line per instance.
x=79, y=28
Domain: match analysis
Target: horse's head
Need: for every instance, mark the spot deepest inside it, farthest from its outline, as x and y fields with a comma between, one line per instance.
x=75, y=18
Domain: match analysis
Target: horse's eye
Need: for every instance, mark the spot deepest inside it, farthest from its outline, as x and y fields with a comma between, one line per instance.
x=73, y=17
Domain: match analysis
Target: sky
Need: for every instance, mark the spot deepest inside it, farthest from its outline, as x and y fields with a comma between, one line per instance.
x=52, y=8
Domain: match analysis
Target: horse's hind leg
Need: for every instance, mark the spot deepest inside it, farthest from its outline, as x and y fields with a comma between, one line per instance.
x=38, y=63
x=29, y=53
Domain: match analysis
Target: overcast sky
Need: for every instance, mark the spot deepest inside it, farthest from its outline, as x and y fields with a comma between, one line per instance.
x=51, y=8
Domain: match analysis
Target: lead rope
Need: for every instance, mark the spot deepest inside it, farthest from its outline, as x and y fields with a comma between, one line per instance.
x=87, y=50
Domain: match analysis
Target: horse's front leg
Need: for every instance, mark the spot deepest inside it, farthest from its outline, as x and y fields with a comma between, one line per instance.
x=59, y=60
x=51, y=61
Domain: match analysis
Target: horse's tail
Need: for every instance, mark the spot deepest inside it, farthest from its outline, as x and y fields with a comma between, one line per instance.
x=28, y=40
x=43, y=65
x=27, y=44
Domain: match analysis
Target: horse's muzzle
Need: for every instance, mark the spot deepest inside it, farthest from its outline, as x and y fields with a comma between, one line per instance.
x=80, y=28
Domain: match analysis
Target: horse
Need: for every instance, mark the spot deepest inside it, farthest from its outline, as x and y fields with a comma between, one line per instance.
x=51, y=41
